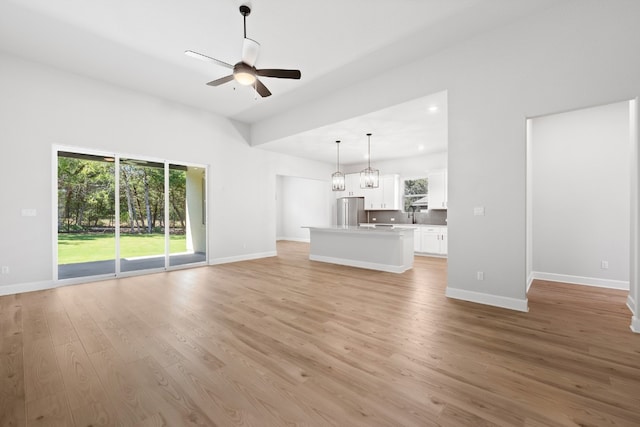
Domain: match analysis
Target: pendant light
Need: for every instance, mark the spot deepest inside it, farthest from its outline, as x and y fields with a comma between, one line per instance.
x=369, y=178
x=337, y=178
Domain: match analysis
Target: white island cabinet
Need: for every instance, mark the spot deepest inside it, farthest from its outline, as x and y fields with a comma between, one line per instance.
x=388, y=249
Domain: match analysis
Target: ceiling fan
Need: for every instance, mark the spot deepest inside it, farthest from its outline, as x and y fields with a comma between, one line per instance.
x=245, y=72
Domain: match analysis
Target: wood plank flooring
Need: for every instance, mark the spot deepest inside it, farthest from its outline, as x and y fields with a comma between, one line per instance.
x=287, y=341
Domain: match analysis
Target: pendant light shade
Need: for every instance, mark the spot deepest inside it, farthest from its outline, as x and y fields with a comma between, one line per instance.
x=337, y=178
x=369, y=177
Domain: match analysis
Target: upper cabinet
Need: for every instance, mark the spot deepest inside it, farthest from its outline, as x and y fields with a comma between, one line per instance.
x=351, y=186
x=384, y=198
x=438, y=195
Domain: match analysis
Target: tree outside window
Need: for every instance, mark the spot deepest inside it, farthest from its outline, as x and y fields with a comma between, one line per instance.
x=415, y=194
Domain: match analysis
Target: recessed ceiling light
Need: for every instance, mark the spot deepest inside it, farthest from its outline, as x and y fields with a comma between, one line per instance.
x=366, y=156
x=433, y=108
x=420, y=147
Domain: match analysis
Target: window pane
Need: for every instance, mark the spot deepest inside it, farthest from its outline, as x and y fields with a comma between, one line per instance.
x=142, y=240
x=415, y=194
x=86, y=215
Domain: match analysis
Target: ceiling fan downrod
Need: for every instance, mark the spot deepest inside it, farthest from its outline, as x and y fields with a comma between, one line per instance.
x=245, y=11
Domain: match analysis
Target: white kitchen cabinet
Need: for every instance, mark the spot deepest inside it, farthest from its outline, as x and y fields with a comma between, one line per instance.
x=417, y=240
x=434, y=240
x=444, y=243
x=351, y=186
x=417, y=236
x=386, y=196
x=430, y=241
x=438, y=193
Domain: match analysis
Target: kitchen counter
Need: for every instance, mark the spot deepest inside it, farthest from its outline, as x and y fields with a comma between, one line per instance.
x=428, y=239
x=398, y=225
x=386, y=249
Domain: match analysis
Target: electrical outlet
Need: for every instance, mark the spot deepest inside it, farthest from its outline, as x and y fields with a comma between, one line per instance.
x=393, y=219
x=5, y=269
x=373, y=219
x=478, y=211
x=604, y=265
x=480, y=275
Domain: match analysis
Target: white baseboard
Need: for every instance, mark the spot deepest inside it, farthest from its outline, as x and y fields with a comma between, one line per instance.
x=430, y=255
x=27, y=287
x=488, y=299
x=579, y=280
x=361, y=264
x=238, y=258
x=529, y=281
x=295, y=239
x=631, y=304
x=635, y=324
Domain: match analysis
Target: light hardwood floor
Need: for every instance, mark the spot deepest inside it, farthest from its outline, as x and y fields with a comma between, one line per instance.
x=287, y=341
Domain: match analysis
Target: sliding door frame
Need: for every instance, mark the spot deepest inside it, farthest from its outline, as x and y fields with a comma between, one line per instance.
x=117, y=157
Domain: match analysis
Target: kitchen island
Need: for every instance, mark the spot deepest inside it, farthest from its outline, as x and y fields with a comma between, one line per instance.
x=384, y=249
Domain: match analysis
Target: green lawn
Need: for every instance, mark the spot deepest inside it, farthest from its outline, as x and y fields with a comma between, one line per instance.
x=80, y=247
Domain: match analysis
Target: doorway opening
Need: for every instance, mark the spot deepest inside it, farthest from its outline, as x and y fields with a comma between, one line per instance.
x=578, y=196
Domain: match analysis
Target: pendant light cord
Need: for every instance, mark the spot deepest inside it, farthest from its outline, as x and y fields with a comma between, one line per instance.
x=369, y=150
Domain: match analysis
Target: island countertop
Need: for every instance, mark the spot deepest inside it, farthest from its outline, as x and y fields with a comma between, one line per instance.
x=359, y=229
x=385, y=249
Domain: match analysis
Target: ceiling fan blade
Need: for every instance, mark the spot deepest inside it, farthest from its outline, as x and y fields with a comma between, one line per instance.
x=221, y=80
x=281, y=74
x=206, y=58
x=262, y=89
x=250, y=50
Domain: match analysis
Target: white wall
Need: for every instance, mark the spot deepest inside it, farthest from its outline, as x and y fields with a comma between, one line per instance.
x=634, y=287
x=41, y=106
x=581, y=195
x=303, y=202
x=574, y=55
x=279, y=207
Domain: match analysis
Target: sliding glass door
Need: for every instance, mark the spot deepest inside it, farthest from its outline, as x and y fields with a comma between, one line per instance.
x=187, y=215
x=86, y=215
x=114, y=215
x=142, y=230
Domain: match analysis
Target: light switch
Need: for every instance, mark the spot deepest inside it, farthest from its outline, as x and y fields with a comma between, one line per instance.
x=478, y=211
x=28, y=212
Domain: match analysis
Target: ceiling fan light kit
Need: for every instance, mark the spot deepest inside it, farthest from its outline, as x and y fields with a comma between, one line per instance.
x=369, y=177
x=245, y=72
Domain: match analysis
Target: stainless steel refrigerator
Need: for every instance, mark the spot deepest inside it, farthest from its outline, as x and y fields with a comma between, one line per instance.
x=351, y=211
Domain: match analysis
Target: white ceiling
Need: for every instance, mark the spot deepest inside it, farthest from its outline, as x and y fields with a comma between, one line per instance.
x=413, y=128
x=140, y=45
